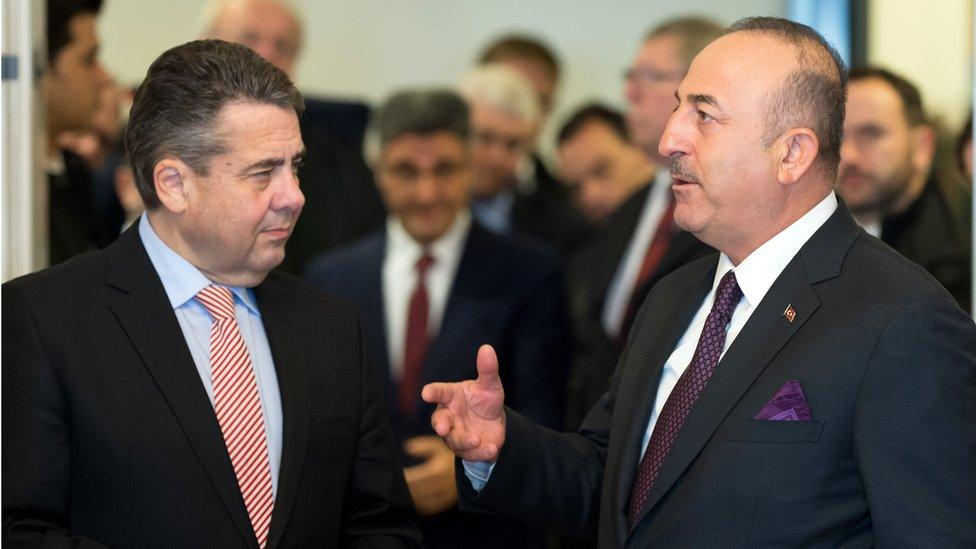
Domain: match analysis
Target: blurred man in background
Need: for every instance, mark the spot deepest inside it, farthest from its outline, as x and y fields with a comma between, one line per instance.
x=504, y=116
x=887, y=181
x=71, y=88
x=341, y=200
x=639, y=242
x=599, y=164
x=432, y=287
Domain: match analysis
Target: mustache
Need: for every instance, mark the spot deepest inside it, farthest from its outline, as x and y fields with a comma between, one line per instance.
x=680, y=171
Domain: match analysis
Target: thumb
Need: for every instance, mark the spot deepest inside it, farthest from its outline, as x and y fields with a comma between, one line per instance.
x=488, y=369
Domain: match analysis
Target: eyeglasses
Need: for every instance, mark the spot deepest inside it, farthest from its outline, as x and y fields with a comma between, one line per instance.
x=649, y=76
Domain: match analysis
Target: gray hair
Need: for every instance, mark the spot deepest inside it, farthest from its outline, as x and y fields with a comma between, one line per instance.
x=501, y=87
x=175, y=109
x=417, y=111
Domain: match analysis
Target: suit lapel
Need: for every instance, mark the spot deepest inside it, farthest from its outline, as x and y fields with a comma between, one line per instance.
x=147, y=317
x=638, y=391
x=291, y=366
x=762, y=337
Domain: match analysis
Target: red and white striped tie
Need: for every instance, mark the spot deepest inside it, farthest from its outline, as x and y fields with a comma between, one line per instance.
x=238, y=408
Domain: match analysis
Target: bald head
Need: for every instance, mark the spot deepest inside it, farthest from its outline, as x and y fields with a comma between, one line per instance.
x=814, y=90
x=269, y=27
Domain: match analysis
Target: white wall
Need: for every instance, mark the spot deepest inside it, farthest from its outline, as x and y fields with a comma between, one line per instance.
x=931, y=44
x=367, y=48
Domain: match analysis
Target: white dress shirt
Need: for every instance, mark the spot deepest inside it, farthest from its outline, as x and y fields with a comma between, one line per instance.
x=400, y=278
x=755, y=276
x=625, y=278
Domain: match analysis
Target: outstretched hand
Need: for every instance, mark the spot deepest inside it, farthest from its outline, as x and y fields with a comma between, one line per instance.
x=470, y=416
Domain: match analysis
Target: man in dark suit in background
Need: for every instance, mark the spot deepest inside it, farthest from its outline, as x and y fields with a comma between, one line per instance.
x=806, y=387
x=341, y=202
x=886, y=178
x=504, y=115
x=613, y=178
x=432, y=287
x=171, y=391
x=537, y=62
x=71, y=89
x=639, y=244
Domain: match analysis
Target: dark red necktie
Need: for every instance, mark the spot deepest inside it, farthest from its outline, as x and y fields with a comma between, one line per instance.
x=415, y=349
x=685, y=393
x=655, y=253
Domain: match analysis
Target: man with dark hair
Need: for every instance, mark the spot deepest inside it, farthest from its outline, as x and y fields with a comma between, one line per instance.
x=435, y=284
x=71, y=89
x=341, y=202
x=639, y=243
x=806, y=387
x=886, y=178
x=598, y=162
x=170, y=390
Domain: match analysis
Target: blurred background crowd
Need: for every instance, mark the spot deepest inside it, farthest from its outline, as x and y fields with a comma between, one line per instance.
x=489, y=173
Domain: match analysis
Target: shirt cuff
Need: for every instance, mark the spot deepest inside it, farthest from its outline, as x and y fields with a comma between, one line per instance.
x=478, y=473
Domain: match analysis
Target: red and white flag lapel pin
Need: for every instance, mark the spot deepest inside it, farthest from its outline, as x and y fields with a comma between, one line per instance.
x=790, y=313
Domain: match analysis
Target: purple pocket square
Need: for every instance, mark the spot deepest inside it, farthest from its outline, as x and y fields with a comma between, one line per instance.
x=788, y=404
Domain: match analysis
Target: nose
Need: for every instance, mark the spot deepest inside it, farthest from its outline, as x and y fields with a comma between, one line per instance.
x=848, y=152
x=674, y=141
x=290, y=197
x=631, y=92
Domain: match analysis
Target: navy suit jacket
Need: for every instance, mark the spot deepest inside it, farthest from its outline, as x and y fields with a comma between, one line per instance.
x=506, y=294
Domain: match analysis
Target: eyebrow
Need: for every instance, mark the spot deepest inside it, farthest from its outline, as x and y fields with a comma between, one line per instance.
x=700, y=98
x=269, y=163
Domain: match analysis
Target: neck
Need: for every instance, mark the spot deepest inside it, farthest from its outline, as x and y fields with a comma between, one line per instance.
x=164, y=225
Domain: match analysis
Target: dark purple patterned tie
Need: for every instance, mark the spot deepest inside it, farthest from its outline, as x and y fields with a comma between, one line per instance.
x=685, y=393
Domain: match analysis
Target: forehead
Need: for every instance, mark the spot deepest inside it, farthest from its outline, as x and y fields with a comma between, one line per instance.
x=258, y=130
x=661, y=52
x=594, y=134
x=740, y=68
x=82, y=29
x=487, y=116
x=873, y=99
x=424, y=149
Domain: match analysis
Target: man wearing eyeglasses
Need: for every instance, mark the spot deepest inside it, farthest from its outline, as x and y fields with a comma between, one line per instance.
x=431, y=287
x=639, y=243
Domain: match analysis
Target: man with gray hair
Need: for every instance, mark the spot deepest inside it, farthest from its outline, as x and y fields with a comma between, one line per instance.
x=432, y=286
x=171, y=390
x=504, y=114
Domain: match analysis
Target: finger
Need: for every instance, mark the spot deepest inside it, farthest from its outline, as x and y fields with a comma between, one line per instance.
x=488, y=369
x=442, y=420
x=423, y=446
x=462, y=441
x=438, y=393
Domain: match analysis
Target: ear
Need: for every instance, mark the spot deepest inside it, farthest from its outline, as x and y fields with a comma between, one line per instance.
x=798, y=150
x=923, y=147
x=174, y=182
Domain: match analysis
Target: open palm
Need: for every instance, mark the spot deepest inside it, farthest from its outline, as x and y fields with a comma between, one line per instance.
x=470, y=415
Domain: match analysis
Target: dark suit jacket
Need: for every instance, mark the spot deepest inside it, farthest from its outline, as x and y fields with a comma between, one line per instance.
x=342, y=203
x=888, y=365
x=546, y=216
x=73, y=225
x=109, y=435
x=929, y=233
x=590, y=274
x=506, y=294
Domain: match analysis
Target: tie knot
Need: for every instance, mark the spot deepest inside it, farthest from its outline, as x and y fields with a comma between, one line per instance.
x=424, y=263
x=218, y=301
x=727, y=295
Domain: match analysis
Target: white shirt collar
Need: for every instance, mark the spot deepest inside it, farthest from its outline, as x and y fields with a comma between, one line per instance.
x=448, y=246
x=762, y=267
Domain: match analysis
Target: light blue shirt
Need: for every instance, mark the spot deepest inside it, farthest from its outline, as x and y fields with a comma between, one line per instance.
x=182, y=282
x=495, y=213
